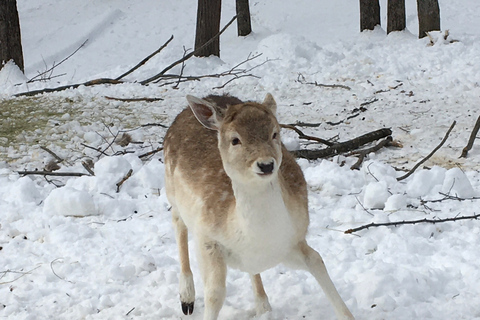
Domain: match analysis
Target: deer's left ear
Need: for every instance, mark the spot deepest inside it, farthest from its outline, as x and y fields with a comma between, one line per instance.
x=270, y=103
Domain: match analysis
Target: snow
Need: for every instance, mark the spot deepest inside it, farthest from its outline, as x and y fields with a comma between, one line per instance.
x=81, y=248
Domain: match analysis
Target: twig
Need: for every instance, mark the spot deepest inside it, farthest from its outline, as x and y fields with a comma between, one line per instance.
x=301, y=79
x=134, y=99
x=49, y=173
x=141, y=63
x=131, y=310
x=150, y=153
x=181, y=69
x=301, y=135
x=398, y=223
x=22, y=274
x=305, y=124
x=363, y=153
x=56, y=65
x=93, y=148
x=429, y=156
x=87, y=167
x=473, y=136
x=128, y=175
x=52, y=153
x=188, y=56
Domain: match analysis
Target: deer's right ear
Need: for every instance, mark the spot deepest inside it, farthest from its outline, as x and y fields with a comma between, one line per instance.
x=205, y=112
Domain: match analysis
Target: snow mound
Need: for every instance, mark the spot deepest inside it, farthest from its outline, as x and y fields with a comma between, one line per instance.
x=11, y=75
x=68, y=201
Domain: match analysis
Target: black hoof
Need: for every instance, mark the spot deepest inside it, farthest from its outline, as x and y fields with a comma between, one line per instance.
x=187, y=308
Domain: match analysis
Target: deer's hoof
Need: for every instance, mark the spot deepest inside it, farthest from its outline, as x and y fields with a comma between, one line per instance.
x=187, y=308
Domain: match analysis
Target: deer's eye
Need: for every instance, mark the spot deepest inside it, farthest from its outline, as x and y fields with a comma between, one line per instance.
x=275, y=135
x=235, y=141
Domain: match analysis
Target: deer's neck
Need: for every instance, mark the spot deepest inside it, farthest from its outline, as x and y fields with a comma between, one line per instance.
x=262, y=232
x=260, y=209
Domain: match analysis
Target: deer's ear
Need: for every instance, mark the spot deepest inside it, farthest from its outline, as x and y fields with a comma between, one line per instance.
x=270, y=103
x=205, y=112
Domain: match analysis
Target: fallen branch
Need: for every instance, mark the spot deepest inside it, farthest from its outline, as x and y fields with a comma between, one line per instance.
x=52, y=153
x=398, y=223
x=49, y=173
x=301, y=79
x=363, y=153
x=71, y=86
x=128, y=175
x=188, y=56
x=301, y=135
x=473, y=136
x=141, y=63
x=21, y=273
x=343, y=146
x=150, y=153
x=134, y=99
x=429, y=156
x=55, y=65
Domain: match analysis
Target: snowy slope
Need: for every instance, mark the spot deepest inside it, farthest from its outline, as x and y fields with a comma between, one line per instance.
x=75, y=248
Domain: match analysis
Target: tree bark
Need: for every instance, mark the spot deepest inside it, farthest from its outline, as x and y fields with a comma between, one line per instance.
x=244, y=24
x=208, y=25
x=10, y=37
x=395, y=15
x=369, y=14
x=428, y=16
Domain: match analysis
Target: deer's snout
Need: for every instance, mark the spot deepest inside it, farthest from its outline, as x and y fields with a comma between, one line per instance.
x=266, y=168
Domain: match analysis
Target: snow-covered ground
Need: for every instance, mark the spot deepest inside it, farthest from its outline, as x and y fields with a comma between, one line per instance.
x=75, y=248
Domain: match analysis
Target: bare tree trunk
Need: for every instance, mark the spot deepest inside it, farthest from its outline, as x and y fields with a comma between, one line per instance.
x=369, y=14
x=395, y=15
x=10, y=37
x=208, y=25
x=244, y=24
x=428, y=16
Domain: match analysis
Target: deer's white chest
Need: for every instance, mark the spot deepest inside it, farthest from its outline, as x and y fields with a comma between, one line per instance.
x=263, y=235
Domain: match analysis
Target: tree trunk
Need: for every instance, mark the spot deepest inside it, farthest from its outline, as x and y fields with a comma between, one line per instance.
x=244, y=24
x=395, y=15
x=428, y=16
x=10, y=38
x=208, y=25
x=369, y=14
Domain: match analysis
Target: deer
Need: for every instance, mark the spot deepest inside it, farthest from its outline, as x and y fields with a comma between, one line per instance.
x=233, y=185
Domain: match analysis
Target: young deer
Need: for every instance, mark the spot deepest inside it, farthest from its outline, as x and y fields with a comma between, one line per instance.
x=232, y=183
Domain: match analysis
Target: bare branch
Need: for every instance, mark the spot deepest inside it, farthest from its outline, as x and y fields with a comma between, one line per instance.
x=473, y=136
x=301, y=135
x=128, y=175
x=188, y=56
x=49, y=173
x=134, y=99
x=398, y=223
x=141, y=63
x=56, y=65
x=429, y=156
x=343, y=146
x=301, y=79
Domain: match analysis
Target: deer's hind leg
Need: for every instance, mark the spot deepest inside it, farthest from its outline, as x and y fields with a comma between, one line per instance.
x=261, y=300
x=313, y=262
x=187, y=288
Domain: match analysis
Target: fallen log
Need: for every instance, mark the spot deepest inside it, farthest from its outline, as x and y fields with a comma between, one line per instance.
x=342, y=147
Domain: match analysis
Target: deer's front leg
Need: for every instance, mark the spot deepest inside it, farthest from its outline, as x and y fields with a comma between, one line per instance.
x=214, y=274
x=187, y=288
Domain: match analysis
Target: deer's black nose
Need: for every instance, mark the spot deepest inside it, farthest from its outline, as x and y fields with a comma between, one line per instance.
x=265, y=168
